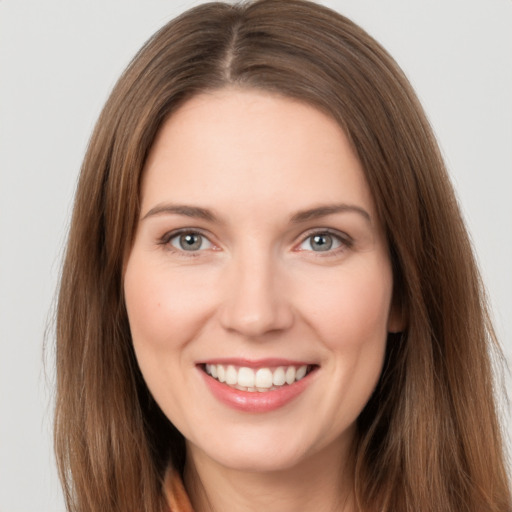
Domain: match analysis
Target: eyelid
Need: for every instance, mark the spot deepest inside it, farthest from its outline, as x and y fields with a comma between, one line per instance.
x=345, y=240
x=168, y=236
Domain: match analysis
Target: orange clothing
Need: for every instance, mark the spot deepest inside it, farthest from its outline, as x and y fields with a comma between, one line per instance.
x=175, y=493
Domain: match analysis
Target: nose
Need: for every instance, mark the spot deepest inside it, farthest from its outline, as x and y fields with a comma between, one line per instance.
x=255, y=301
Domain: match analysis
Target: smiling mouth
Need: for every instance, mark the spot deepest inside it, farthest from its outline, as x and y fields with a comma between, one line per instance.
x=257, y=380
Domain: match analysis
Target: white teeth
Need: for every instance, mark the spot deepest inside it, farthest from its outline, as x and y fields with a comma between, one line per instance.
x=246, y=377
x=279, y=377
x=231, y=375
x=263, y=379
x=301, y=372
x=290, y=375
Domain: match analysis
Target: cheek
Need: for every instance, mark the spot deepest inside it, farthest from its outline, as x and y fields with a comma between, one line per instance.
x=164, y=312
x=148, y=308
x=164, y=305
x=351, y=309
x=351, y=321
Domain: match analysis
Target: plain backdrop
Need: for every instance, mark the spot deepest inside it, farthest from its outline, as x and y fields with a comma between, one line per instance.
x=58, y=61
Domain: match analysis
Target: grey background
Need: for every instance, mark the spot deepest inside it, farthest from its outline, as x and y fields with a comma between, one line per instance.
x=58, y=61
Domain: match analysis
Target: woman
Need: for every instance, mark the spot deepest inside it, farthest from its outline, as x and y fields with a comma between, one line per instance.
x=277, y=301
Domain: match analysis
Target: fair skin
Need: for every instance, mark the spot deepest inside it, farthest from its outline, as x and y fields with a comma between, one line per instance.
x=259, y=247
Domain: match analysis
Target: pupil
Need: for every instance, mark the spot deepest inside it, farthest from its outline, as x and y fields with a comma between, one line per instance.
x=322, y=242
x=190, y=242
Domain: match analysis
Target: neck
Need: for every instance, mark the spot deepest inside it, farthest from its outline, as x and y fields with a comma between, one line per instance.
x=320, y=483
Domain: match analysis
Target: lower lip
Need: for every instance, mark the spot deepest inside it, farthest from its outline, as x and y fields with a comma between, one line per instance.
x=256, y=401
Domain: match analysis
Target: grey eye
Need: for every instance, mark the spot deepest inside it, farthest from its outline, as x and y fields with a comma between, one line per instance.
x=190, y=242
x=321, y=242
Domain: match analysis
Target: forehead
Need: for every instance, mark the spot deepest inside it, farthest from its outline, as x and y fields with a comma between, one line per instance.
x=247, y=147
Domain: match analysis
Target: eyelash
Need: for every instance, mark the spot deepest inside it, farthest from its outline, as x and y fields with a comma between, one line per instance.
x=165, y=241
x=345, y=242
x=343, y=239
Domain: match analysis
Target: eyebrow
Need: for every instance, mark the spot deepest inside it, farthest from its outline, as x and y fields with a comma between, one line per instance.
x=301, y=216
x=324, y=211
x=182, y=209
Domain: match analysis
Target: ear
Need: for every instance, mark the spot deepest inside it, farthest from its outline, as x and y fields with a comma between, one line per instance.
x=396, y=318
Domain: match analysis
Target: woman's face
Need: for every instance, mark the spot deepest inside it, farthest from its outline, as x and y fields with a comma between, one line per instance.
x=259, y=284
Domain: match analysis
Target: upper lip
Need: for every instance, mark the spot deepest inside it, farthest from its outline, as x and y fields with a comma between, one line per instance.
x=256, y=363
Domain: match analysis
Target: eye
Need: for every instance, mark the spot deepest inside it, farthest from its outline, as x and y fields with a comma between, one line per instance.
x=322, y=242
x=190, y=241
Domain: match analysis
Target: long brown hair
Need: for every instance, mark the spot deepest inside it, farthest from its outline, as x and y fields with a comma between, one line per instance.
x=429, y=439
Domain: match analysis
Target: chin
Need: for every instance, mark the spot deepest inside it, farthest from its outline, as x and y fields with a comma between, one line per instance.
x=258, y=461
x=264, y=451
